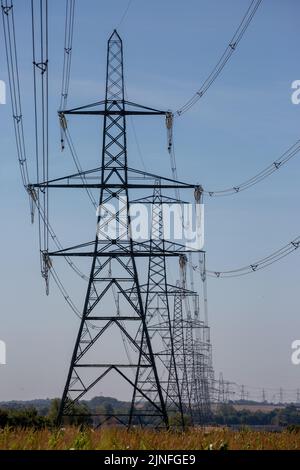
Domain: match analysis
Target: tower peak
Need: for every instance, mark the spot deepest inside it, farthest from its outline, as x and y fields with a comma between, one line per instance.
x=115, y=35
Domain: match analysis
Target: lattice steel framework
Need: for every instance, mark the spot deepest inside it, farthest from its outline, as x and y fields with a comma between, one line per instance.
x=157, y=293
x=114, y=267
x=194, y=352
x=114, y=170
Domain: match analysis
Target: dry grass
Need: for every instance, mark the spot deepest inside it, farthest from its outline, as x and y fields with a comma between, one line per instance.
x=120, y=439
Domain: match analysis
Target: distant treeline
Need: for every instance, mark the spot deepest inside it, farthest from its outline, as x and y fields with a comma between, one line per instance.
x=44, y=414
x=226, y=414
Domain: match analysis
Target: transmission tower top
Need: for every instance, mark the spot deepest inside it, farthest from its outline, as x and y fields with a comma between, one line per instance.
x=115, y=76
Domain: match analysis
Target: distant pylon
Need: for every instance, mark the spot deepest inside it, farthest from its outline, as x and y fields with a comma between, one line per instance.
x=280, y=395
x=157, y=294
x=221, y=389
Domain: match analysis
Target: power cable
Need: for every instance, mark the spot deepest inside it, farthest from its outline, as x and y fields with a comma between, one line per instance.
x=290, y=153
x=125, y=13
x=9, y=29
x=236, y=38
x=257, y=265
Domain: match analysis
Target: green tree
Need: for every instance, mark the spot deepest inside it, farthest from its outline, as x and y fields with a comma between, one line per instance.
x=54, y=410
x=3, y=418
x=176, y=421
x=78, y=414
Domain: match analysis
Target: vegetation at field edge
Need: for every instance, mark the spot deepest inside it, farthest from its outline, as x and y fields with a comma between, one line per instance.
x=113, y=438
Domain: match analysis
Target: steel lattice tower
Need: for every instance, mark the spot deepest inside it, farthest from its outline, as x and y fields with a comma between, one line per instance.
x=114, y=170
x=181, y=356
x=157, y=293
x=194, y=355
x=115, y=256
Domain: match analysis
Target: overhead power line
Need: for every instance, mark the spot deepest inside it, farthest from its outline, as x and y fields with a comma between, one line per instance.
x=257, y=265
x=12, y=63
x=9, y=30
x=236, y=38
x=125, y=13
x=68, y=48
x=14, y=85
x=39, y=23
x=290, y=153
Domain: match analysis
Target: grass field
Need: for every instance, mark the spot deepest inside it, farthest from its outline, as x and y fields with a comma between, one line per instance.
x=120, y=439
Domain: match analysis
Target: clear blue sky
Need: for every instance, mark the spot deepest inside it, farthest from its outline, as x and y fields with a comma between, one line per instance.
x=244, y=122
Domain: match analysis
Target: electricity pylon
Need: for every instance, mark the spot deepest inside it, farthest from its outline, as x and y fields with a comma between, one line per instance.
x=98, y=352
x=157, y=293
